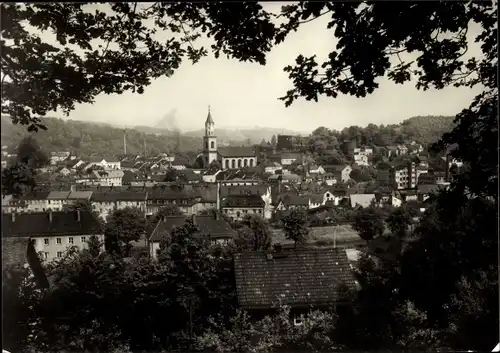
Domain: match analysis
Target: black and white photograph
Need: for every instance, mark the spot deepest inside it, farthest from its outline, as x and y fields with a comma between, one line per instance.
x=252, y=177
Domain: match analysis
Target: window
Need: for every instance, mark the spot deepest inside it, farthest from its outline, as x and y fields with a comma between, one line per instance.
x=46, y=241
x=238, y=214
x=59, y=254
x=45, y=255
x=83, y=239
x=59, y=241
x=70, y=240
x=297, y=321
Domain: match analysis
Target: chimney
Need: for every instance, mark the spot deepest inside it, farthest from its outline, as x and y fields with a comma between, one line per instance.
x=447, y=168
x=72, y=188
x=78, y=219
x=218, y=197
x=193, y=219
x=13, y=216
x=269, y=256
x=50, y=216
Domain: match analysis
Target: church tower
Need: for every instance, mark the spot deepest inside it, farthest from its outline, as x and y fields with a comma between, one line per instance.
x=209, y=141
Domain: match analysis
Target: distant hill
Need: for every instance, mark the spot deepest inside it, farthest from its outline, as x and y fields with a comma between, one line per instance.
x=255, y=135
x=427, y=129
x=88, y=138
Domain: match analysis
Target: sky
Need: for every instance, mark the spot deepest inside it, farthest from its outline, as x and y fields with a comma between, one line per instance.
x=246, y=95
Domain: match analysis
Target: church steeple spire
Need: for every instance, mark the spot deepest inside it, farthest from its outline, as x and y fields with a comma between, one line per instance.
x=209, y=118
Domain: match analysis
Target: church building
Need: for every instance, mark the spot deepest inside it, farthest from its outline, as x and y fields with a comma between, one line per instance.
x=228, y=157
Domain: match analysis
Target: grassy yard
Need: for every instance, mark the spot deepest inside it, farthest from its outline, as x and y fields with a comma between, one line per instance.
x=324, y=235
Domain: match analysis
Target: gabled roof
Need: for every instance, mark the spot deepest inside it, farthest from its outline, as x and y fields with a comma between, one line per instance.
x=335, y=167
x=290, y=155
x=300, y=277
x=170, y=193
x=180, y=161
x=254, y=201
x=58, y=195
x=20, y=251
x=295, y=200
x=429, y=189
x=243, y=190
x=228, y=152
x=79, y=195
x=36, y=195
x=14, y=251
x=208, y=225
x=110, y=196
x=38, y=224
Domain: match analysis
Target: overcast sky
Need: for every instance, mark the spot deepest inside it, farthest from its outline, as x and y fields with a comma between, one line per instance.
x=246, y=95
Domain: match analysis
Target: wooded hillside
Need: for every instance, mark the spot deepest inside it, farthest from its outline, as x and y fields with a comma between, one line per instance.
x=86, y=138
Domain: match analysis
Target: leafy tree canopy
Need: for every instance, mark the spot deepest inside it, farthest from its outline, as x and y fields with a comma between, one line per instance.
x=122, y=228
x=30, y=153
x=296, y=225
x=369, y=222
x=254, y=234
x=113, y=51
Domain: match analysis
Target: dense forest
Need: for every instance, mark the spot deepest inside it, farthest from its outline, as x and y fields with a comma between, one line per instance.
x=85, y=138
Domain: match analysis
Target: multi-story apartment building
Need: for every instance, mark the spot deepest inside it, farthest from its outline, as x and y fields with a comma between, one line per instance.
x=404, y=176
x=35, y=201
x=105, y=202
x=52, y=232
x=238, y=206
x=112, y=177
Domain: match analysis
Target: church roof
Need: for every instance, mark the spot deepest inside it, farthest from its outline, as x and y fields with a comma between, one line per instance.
x=235, y=151
x=209, y=118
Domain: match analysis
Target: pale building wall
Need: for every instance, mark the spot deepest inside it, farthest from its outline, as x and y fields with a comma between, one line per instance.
x=54, y=247
x=238, y=162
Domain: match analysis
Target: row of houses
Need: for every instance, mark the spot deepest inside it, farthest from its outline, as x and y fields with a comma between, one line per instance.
x=234, y=198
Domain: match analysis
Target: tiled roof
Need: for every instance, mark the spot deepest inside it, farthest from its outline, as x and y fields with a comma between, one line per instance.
x=103, y=196
x=228, y=152
x=295, y=200
x=36, y=195
x=208, y=192
x=290, y=155
x=316, y=198
x=170, y=193
x=243, y=201
x=300, y=277
x=79, y=195
x=39, y=224
x=180, y=161
x=334, y=168
x=208, y=225
x=428, y=189
x=128, y=164
x=14, y=251
x=58, y=195
x=243, y=190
